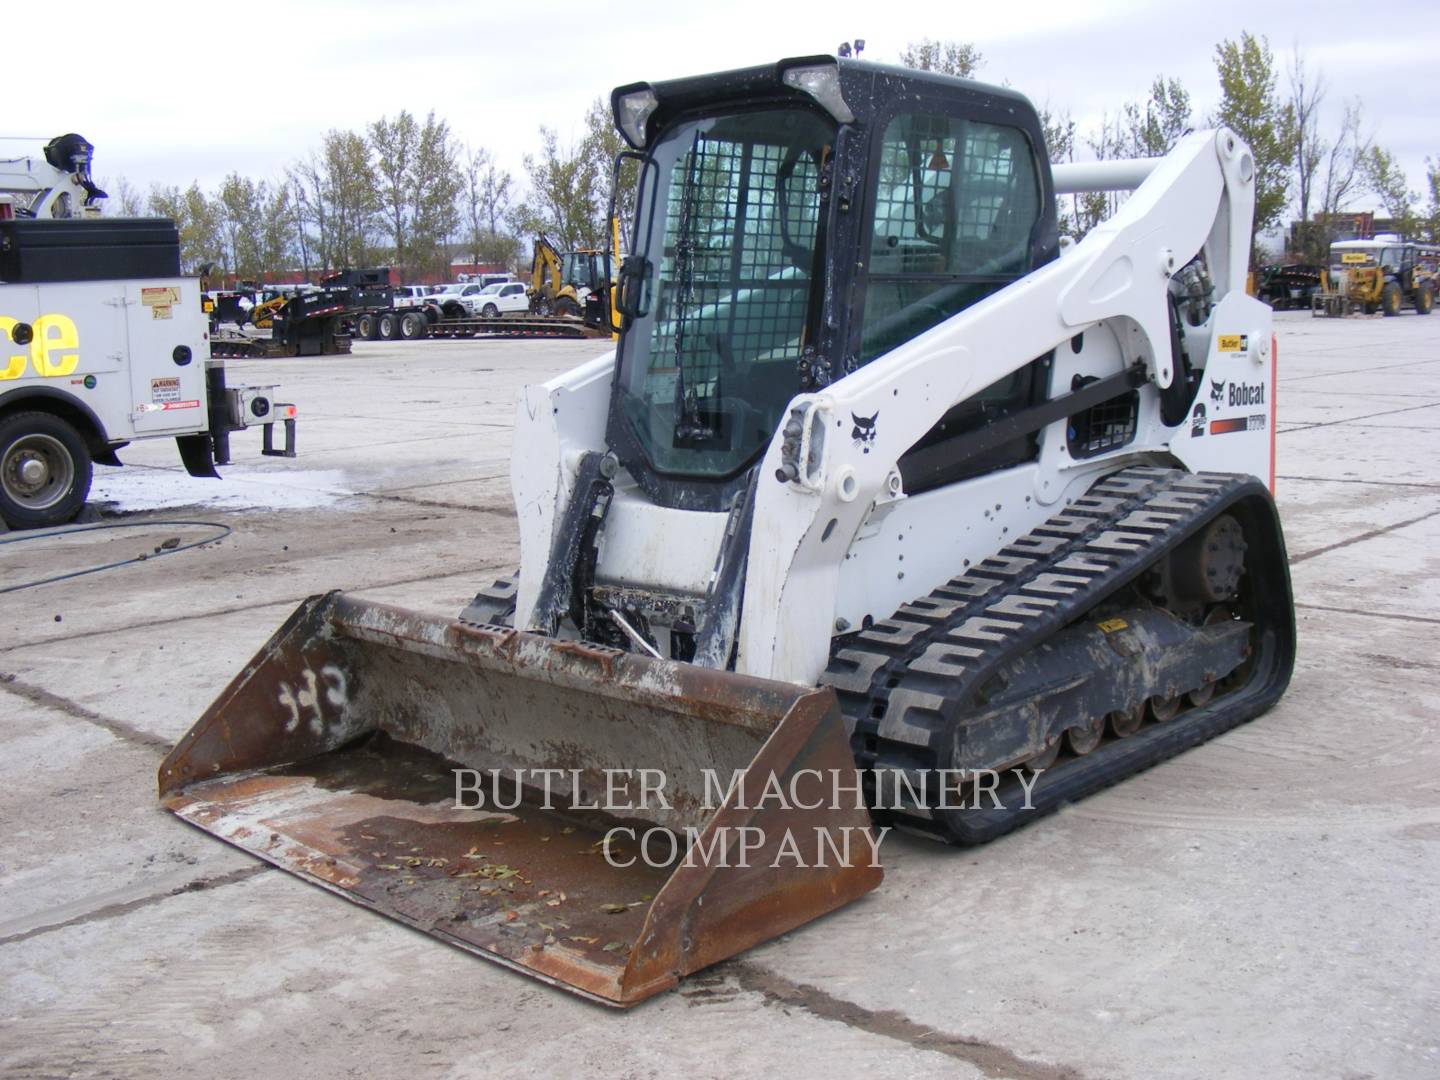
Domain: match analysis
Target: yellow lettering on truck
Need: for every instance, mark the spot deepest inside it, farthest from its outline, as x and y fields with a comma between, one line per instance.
x=54, y=348
x=14, y=365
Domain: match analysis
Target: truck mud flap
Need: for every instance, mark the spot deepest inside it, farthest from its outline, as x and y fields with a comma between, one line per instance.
x=602, y=821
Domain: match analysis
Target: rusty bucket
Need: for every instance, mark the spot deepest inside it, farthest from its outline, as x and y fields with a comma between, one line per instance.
x=599, y=820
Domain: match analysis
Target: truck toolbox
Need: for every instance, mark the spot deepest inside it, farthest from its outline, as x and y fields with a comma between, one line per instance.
x=35, y=250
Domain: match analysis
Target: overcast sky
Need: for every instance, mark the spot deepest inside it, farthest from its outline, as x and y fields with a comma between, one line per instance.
x=175, y=92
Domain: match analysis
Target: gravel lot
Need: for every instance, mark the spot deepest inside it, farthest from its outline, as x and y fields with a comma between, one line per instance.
x=1263, y=906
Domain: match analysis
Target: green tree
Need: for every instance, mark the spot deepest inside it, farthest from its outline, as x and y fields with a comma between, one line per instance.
x=395, y=144
x=1153, y=127
x=959, y=58
x=1250, y=105
x=198, y=223
x=565, y=194
x=347, y=192
x=240, y=205
x=434, y=184
x=274, y=248
x=602, y=145
x=1387, y=181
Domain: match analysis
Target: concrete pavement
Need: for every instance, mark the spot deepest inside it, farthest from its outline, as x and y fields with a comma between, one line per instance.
x=1263, y=905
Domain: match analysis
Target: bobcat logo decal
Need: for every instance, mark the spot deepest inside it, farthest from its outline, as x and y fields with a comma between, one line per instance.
x=1217, y=391
x=863, y=433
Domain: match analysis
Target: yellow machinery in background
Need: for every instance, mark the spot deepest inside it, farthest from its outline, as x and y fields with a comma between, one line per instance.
x=1385, y=275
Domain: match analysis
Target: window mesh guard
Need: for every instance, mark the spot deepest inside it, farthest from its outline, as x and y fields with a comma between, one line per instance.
x=739, y=280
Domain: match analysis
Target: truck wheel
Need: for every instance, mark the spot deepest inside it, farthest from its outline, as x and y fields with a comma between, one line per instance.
x=413, y=325
x=1424, y=300
x=1390, y=298
x=455, y=310
x=365, y=327
x=44, y=470
x=490, y=311
x=389, y=326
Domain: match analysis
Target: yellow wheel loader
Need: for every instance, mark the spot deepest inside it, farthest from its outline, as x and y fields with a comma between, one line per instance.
x=891, y=509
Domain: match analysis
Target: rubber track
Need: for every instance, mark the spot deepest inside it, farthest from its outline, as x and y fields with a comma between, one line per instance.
x=905, y=682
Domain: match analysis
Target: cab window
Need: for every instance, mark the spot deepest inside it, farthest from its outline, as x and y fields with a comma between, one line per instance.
x=957, y=200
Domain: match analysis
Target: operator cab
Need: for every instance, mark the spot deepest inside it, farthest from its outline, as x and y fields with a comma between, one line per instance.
x=754, y=188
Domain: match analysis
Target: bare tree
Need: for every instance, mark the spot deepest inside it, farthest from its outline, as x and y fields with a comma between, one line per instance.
x=125, y=199
x=960, y=58
x=1343, y=177
x=1307, y=93
x=1432, y=209
x=485, y=198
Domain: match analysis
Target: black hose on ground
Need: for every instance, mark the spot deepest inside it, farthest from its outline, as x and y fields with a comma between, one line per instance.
x=222, y=531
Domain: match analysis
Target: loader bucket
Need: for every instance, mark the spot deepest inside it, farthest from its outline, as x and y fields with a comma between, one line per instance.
x=334, y=755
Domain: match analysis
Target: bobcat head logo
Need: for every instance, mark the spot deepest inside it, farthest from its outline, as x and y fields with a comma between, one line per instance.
x=1217, y=391
x=864, y=431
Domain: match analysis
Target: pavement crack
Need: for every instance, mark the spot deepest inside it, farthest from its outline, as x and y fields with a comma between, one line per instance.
x=993, y=1061
x=38, y=695
x=113, y=911
x=1357, y=419
x=1364, y=483
x=236, y=609
x=1371, y=614
x=1371, y=535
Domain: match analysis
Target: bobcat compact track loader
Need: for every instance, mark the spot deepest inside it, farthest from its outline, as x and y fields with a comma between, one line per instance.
x=888, y=500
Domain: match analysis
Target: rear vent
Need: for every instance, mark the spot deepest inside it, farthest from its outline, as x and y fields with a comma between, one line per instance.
x=1104, y=427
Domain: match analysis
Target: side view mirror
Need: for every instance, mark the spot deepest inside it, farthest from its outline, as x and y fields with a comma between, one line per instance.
x=633, y=299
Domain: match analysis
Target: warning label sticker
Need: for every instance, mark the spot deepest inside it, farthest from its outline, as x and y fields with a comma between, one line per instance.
x=162, y=390
x=160, y=300
x=164, y=294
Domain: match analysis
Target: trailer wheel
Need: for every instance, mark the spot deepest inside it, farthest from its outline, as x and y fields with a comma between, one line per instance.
x=388, y=326
x=1390, y=298
x=413, y=325
x=45, y=470
x=366, y=328
x=1424, y=300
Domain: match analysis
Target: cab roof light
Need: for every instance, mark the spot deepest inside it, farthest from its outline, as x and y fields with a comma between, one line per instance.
x=632, y=112
x=821, y=82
